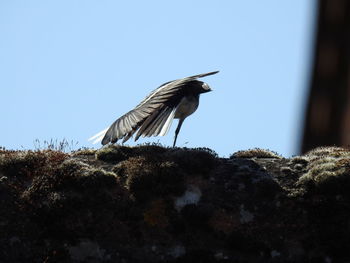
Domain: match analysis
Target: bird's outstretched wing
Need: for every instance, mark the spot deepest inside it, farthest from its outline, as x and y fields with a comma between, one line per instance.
x=152, y=116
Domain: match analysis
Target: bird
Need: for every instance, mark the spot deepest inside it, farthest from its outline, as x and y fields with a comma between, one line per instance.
x=153, y=116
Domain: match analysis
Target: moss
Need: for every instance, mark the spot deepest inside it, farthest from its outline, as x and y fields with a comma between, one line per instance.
x=29, y=163
x=328, y=169
x=117, y=153
x=197, y=161
x=71, y=168
x=74, y=199
x=75, y=174
x=149, y=178
x=71, y=175
x=300, y=160
x=327, y=151
x=8, y=159
x=113, y=153
x=129, y=207
x=149, y=149
x=256, y=153
x=84, y=151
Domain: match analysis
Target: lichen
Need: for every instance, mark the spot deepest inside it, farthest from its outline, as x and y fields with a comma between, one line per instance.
x=191, y=196
x=246, y=216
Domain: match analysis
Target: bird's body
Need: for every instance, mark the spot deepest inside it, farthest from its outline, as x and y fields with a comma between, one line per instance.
x=186, y=107
x=153, y=116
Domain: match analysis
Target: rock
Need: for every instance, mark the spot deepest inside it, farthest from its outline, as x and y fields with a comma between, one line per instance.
x=156, y=204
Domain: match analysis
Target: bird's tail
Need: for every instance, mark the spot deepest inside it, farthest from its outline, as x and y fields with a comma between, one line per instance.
x=98, y=137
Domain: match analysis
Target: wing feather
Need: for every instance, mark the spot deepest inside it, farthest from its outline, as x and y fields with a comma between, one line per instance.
x=167, y=123
x=98, y=137
x=146, y=123
x=151, y=130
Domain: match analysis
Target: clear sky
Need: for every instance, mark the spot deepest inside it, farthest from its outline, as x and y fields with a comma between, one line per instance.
x=69, y=68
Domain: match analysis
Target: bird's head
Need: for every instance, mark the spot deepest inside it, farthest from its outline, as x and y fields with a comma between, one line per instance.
x=205, y=88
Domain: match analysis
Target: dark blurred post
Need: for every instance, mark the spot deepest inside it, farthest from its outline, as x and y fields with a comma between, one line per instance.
x=327, y=120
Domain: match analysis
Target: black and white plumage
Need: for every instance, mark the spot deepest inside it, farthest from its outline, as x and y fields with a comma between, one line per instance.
x=153, y=116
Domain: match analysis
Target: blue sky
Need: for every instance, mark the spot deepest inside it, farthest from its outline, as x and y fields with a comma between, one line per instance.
x=68, y=69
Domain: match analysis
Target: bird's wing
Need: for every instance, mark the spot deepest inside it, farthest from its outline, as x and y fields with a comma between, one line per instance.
x=170, y=87
x=151, y=114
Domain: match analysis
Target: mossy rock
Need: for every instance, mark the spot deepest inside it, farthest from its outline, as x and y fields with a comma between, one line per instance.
x=148, y=178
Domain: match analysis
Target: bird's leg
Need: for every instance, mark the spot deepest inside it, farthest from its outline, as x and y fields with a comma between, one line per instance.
x=177, y=130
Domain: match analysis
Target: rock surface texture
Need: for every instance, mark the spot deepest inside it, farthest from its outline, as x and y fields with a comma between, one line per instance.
x=155, y=204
